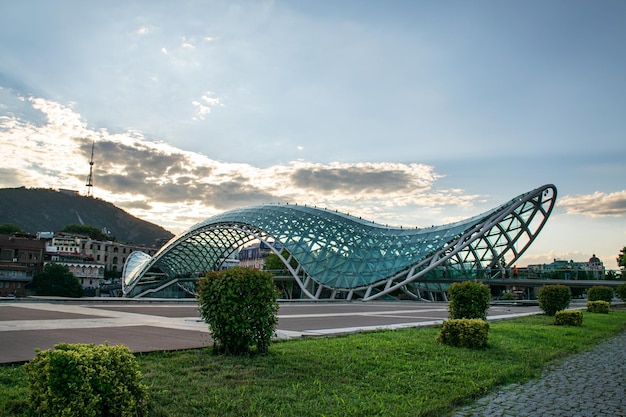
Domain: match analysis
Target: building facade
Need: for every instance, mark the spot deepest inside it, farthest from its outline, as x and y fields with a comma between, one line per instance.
x=592, y=269
x=253, y=256
x=21, y=258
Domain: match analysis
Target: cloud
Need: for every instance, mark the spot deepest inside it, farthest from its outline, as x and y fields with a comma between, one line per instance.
x=205, y=104
x=363, y=178
x=169, y=186
x=10, y=177
x=596, y=205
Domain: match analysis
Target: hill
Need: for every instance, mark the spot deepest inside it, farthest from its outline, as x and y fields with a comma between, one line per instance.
x=43, y=210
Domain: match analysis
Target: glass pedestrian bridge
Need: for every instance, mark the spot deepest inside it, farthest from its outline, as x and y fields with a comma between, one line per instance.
x=334, y=255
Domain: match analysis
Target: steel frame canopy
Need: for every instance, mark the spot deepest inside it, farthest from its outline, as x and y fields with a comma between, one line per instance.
x=338, y=253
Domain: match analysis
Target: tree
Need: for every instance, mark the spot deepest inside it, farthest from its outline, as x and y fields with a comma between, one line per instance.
x=8, y=228
x=112, y=274
x=57, y=280
x=621, y=258
x=273, y=262
x=85, y=229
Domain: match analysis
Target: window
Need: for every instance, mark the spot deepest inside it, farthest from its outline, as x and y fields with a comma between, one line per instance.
x=6, y=255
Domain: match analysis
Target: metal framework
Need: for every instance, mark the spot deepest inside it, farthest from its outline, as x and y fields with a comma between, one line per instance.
x=338, y=255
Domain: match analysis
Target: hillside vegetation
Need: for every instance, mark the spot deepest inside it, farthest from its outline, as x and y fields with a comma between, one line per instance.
x=45, y=210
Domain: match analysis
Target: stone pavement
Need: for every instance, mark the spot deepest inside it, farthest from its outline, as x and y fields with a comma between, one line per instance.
x=148, y=325
x=589, y=384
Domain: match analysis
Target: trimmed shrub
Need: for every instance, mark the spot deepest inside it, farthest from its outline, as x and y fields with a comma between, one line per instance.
x=553, y=298
x=468, y=300
x=598, y=307
x=621, y=291
x=600, y=293
x=79, y=380
x=469, y=333
x=568, y=318
x=240, y=307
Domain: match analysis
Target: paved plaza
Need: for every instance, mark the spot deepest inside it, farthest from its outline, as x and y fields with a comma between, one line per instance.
x=590, y=384
x=173, y=325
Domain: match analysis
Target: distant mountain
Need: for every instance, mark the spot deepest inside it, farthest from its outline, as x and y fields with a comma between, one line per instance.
x=44, y=210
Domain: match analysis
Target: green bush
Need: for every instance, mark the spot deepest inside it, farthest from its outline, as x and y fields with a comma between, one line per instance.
x=568, y=318
x=57, y=280
x=553, y=298
x=600, y=293
x=621, y=292
x=240, y=307
x=508, y=296
x=598, y=307
x=468, y=300
x=79, y=380
x=470, y=333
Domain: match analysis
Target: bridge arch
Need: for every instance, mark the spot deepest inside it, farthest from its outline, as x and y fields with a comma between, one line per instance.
x=336, y=254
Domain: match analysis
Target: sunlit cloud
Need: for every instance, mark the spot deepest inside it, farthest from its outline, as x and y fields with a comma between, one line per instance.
x=205, y=104
x=596, y=205
x=187, y=44
x=176, y=188
x=142, y=30
x=551, y=256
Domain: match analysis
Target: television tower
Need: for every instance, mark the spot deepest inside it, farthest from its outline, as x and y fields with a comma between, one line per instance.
x=90, y=177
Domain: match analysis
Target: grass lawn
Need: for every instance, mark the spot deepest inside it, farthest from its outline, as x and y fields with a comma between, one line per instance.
x=400, y=373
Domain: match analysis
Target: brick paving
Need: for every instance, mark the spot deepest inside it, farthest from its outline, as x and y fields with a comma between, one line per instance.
x=589, y=384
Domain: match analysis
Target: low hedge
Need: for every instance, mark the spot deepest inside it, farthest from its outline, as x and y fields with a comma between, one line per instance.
x=621, y=291
x=470, y=333
x=568, y=318
x=80, y=380
x=598, y=307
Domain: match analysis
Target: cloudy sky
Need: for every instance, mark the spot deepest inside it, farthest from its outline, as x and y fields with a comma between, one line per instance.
x=409, y=113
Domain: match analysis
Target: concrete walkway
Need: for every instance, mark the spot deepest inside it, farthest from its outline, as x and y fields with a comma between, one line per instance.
x=148, y=325
x=589, y=384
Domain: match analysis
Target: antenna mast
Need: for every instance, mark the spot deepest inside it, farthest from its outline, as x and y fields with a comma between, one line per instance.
x=90, y=177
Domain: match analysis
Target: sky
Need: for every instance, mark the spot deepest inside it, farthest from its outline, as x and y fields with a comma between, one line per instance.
x=412, y=113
